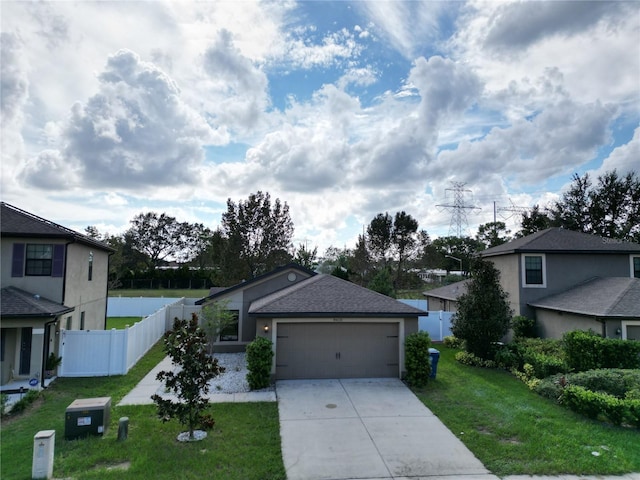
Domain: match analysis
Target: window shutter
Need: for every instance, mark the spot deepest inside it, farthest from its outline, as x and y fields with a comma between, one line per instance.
x=17, y=262
x=57, y=267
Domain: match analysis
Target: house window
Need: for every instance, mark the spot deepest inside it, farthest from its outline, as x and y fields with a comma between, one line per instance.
x=81, y=320
x=533, y=271
x=39, y=260
x=90, y=276
x=69, y=322
x=635, y=266
x=230, y=333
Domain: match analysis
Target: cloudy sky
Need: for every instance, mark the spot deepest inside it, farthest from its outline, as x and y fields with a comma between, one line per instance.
x=341, y=109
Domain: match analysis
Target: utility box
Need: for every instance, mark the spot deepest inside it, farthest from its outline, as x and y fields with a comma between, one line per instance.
x=43, y=446
x=87, y=416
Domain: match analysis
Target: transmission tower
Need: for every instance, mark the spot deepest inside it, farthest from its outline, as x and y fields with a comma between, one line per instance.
x=510, y=211
x=459, y=208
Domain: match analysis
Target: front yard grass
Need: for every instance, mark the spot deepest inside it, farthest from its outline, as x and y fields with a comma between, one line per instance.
x=120, y=322
x=244, y=443
x=512, y=430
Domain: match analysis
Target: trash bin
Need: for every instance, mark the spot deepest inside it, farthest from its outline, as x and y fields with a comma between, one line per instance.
x=435, y=356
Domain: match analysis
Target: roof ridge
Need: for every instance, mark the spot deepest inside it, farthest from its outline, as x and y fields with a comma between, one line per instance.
x=620, y=295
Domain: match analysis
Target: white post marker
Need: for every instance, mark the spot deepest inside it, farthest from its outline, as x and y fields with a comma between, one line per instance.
x=43, y=447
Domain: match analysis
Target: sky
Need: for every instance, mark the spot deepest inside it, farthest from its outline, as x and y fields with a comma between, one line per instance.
x=341, y=109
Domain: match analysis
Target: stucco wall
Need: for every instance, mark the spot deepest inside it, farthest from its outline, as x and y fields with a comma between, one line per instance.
x=553, y=324
x=89, y=296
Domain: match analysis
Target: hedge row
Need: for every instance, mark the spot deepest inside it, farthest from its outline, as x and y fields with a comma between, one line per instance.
x=589, y=351
x=592, y=404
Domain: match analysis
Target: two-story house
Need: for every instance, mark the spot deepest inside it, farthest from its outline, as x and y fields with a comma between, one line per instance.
x=51, y=278
x=567, y=280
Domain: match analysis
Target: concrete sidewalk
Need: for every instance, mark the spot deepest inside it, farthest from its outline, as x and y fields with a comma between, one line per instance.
x=141, y=394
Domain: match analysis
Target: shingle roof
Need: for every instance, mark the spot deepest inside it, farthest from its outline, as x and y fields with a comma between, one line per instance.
x=224, y=291
x=327, y=295
x=562, y=240
x=19, y=303
x=600, y=297
x=449, y=292
x=15, y=222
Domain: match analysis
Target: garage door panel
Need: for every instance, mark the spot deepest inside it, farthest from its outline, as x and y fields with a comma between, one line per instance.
x=337, y=350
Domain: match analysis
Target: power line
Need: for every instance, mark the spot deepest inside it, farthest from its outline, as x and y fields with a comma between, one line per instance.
x=459, y=208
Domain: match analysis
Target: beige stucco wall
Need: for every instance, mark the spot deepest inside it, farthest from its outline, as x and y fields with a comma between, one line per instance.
x=552, y=324
x=12, y=328
x=509, y=267
x=89, y=296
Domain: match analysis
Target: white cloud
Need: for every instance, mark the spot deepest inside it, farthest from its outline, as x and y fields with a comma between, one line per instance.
x=134, y=133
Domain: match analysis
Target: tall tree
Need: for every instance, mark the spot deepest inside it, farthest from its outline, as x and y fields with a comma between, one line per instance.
x=493, y=234
x=483, y=315
x=258, y=232
x=379, y=233
x=611, y=208
x=403, y=237
x=308, y=258
x=360, y=262
x=160, y=237
x=533, y=221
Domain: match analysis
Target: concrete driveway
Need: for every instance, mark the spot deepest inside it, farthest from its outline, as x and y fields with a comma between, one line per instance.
x=366, y=429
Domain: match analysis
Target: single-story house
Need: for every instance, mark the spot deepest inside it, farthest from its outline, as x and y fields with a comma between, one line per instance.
x=321, y=326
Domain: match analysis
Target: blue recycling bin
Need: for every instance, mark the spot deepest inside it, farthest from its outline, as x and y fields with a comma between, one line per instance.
x=435, y=356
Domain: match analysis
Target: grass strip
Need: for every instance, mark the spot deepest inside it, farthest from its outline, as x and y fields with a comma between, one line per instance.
x=120, y=322
x=514, y=431
x=244, y=443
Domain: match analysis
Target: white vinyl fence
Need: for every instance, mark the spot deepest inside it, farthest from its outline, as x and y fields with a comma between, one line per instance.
x=437, y=323
x=98, y=353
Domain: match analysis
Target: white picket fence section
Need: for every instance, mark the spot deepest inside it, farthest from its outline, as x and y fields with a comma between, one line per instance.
x=99, y=353
x=437, y=324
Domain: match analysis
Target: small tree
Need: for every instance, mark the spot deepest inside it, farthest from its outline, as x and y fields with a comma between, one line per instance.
x=216, y=318
x=186, y=344
x=483, y=315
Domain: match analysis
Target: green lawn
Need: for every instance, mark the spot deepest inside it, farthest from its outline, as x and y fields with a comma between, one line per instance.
x=512, y=430
x=120, y=322
x=169, y=293
x=244, y=444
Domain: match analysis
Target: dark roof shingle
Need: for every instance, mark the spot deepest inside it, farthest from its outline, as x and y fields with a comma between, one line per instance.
x=19, y=303
x=599, y=297
x=561, y=240
x=326, y=295
x=15, y=222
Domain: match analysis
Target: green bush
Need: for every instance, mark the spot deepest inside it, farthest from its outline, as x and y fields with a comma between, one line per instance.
x=592, y=404
x=22, y=404
x=523, y=327
x=452, y=342
x=585, y=350
x=509, y=357
x=259, y=359
x=417, y=359
x=544, y=365
x=468, y=358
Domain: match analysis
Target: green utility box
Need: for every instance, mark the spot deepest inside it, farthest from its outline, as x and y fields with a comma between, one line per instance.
x=87, y=416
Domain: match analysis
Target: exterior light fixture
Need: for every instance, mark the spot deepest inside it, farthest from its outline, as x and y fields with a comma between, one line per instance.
x=266, y=328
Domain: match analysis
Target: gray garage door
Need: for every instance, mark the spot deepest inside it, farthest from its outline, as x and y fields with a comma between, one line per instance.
x=337, y=350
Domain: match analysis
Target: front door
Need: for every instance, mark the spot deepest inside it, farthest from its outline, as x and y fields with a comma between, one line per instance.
x=25, y=351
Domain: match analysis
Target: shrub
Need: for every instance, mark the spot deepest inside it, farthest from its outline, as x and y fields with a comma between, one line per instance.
x=544, y=365
x=22, y=404
x=483, y=315
x=468, y=358
x=588, y=351
x=4, y=399
x=452, y=342
x=417, y=359
x=509, y=357
x=523, y=327
x=186, y=344
x=592, y=404
x=259, y=359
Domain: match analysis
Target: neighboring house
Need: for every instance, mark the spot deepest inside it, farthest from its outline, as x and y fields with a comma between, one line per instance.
x=321, y=326
x=548, y=273
x=446, y=298
x=52, y=278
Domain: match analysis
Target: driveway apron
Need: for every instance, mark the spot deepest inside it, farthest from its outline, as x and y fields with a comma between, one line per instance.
x=366, y=429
